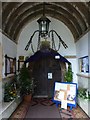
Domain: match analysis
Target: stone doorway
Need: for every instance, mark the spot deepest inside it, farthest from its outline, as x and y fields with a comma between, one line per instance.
x=41, y=69
x=42, y=63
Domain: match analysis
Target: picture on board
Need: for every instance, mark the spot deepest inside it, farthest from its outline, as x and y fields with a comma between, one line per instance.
x=10, y=65
x=84, y=64
x=65, y=91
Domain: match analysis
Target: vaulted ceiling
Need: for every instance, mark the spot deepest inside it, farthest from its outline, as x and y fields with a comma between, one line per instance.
x=75, y=15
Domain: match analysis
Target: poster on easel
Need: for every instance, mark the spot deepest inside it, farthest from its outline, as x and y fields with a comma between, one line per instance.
x=65, y=92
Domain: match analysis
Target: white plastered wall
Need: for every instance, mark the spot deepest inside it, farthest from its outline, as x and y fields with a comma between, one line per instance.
x=9, y=48
x=0, y=67
x=61, y=29
x=83, y=49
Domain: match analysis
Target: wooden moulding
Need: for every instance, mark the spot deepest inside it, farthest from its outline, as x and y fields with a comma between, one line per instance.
x=70, y=56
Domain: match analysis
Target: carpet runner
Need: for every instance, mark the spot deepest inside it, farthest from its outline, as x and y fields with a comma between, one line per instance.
x=40, y=111
x=42, y=108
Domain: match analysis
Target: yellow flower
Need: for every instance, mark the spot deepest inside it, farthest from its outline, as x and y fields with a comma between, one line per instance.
x=14, y=94
x=11, y=92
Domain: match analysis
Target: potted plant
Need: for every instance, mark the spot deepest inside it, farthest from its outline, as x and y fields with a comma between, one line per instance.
x=84, y=93
x=26, y=84
x=69, y=74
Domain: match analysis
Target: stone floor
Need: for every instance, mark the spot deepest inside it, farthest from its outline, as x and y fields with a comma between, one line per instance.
x=38, y=110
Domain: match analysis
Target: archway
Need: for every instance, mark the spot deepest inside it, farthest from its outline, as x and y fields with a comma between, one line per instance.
x=41, y=65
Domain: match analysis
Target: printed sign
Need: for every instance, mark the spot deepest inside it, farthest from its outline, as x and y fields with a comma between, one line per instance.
x=65, y=92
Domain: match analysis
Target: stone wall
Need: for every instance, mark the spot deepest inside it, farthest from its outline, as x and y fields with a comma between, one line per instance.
x=0, y=61
x=0, y=72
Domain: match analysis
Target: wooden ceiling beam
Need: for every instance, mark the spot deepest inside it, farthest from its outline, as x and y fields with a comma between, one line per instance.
x=7, y=11
x=83, y=10
x=13, y=21
x=18, y=13
x=75, y=15
x=49, y=12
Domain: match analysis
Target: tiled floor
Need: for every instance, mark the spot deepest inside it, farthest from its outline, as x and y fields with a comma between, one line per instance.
x=38, y=110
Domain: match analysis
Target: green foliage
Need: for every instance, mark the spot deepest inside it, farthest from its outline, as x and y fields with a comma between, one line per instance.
x=69, y=74
x=10, y=92
x=83, y=93
x=26, y=82
x=45, y=44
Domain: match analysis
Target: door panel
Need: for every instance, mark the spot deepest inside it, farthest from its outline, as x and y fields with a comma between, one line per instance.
x=40, y=73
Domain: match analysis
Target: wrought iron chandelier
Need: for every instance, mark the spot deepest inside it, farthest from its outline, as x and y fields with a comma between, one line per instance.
x=45, y=34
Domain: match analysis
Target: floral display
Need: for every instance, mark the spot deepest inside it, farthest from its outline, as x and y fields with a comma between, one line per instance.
x=10, y=92
x=84, y=93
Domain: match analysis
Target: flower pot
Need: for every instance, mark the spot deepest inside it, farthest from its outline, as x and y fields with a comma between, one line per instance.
x=27, y=98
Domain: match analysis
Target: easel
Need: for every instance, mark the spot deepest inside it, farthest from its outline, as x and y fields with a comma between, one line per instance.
x=58, y=99
x=58, y=103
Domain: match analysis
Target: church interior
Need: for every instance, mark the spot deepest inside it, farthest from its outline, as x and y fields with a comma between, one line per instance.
x=44, y=59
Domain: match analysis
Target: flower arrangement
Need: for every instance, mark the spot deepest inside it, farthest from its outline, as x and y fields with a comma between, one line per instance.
x=10, y=92
x=84, y=93
x=45, y=44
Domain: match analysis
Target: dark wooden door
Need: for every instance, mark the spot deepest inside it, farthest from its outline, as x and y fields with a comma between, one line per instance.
x=41, y=69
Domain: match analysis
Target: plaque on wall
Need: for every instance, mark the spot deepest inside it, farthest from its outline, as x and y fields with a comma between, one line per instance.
x=20, y=64
x=49, y=75
x=84, y=64
x=21, y=58
x=65, y=91
x=10, y=65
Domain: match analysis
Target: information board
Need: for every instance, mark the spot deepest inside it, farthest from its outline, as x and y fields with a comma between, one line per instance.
x=65, y=91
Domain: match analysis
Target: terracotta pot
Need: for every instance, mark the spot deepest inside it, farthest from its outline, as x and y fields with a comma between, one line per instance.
x=28, y=98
